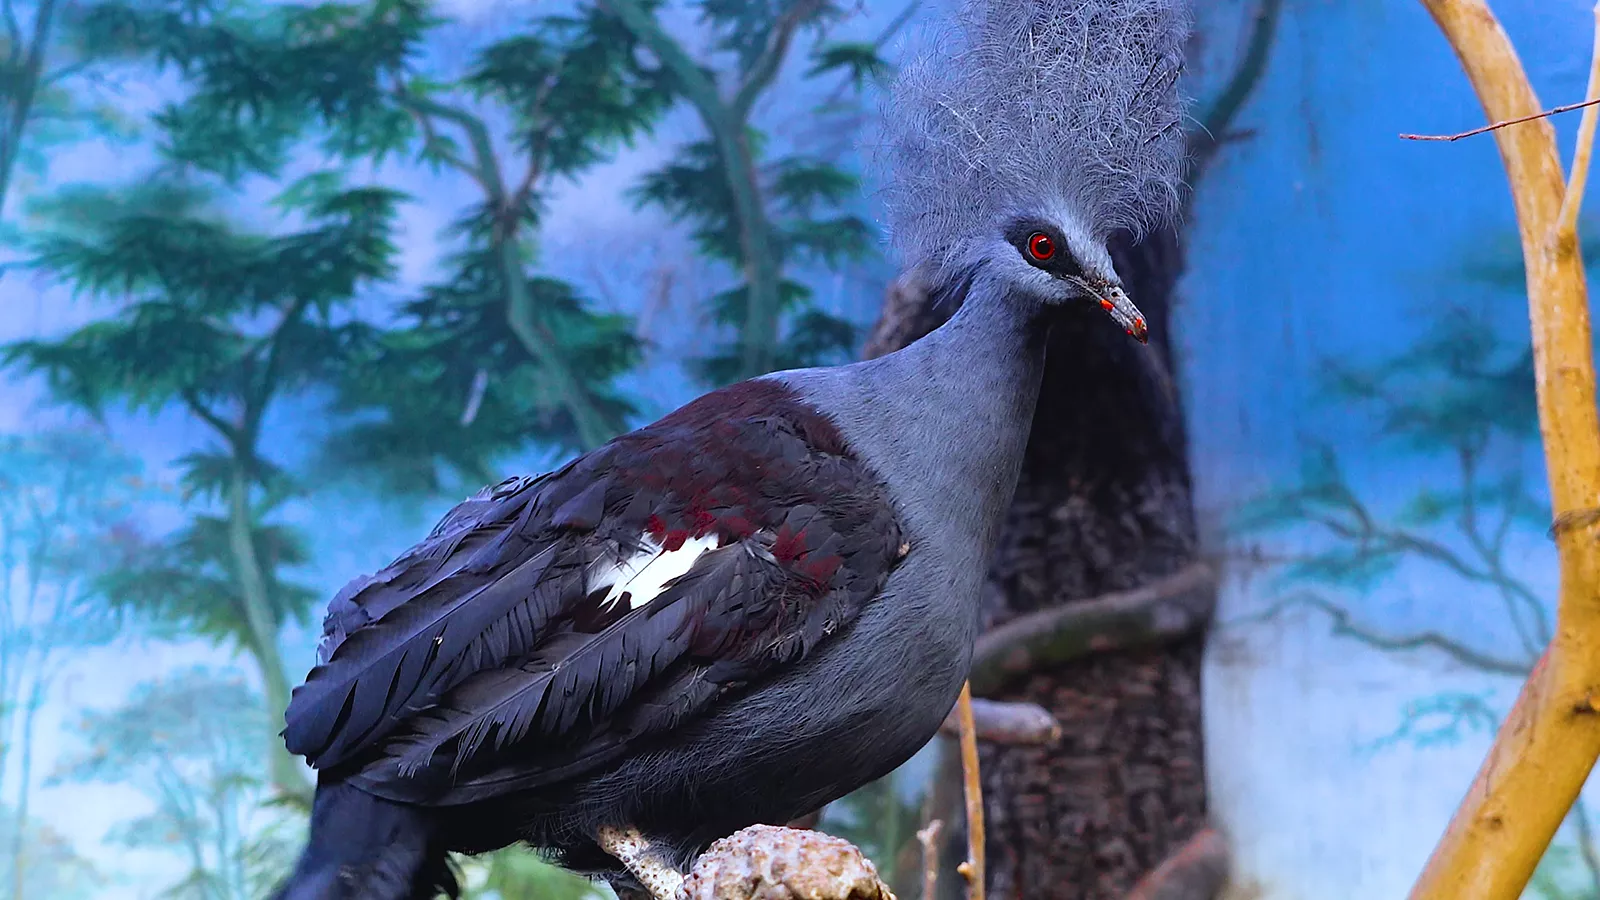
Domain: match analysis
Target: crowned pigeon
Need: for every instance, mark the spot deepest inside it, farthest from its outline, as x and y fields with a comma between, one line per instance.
x=769, y=597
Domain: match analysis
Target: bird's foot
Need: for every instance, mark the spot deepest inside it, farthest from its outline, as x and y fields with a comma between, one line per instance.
x=636, y=854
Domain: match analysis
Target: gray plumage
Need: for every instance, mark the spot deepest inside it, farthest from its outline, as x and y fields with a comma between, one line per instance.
x=826, y=531
x=1034, y=105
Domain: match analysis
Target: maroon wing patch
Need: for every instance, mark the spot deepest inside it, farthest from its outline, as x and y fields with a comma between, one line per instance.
x=493, y=633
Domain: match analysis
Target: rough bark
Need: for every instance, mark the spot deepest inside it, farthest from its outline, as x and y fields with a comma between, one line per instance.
x=1104, y=505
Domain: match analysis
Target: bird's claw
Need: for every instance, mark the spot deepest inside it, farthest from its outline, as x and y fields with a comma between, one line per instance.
x=636, y=854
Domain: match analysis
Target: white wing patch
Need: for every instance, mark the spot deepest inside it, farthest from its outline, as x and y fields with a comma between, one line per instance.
x=637, y=579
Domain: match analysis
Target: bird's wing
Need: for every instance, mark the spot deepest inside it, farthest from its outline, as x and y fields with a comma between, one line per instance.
x=571, y=614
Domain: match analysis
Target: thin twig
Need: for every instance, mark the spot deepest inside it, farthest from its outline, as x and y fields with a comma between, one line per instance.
x=1567, y=220
x=1501, y=124
x=972, y=869
x=928, y=837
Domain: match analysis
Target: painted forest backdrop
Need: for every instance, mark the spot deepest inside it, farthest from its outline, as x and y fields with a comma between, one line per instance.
x=279, y=282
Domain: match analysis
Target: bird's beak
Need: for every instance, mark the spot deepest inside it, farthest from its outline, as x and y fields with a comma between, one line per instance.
x=1115, y=302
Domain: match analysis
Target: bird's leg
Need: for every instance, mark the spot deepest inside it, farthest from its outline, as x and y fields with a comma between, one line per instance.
x=636, y=853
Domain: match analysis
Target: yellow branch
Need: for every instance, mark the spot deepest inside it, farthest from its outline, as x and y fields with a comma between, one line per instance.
x=973, y=868
x=1567, y=220
x=1548, y=744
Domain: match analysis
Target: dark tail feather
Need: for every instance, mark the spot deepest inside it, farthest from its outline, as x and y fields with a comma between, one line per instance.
x=365, y=847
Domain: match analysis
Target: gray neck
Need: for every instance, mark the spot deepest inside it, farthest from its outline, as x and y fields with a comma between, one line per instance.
x=945, y=420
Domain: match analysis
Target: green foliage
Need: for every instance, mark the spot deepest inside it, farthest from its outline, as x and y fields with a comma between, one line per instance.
x=764, y=216
x=1443, y=719
x=221, y=323
x=515, y=873
x=52, y=93
x=450, y=387
x=185, y=584
x=523, y=353
x=1434, y=396
x=694, y=189
x=187, y=742
x=860, y=61
x=574, y=87
x=256, y=74
x=196, y=288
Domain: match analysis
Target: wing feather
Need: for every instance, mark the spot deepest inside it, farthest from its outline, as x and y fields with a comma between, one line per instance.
x=579, y=681
x=390, y=662
x=493, y=656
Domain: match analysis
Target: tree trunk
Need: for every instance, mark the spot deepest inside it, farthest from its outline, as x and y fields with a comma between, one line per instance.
x=1104, y=504
x=23, y=89
x=288, y=775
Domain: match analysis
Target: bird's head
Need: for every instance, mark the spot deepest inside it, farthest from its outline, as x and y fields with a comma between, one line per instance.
x=1051, y=261
x=1027, y=134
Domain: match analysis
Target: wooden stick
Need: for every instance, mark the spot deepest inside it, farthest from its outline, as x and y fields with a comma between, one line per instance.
x=1546, y=747
x=973, y=867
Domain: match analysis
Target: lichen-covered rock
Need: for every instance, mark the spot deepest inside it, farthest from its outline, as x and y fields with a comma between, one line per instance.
x=763, y=862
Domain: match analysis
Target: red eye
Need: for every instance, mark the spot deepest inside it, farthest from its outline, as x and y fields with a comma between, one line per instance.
x=1041, y=246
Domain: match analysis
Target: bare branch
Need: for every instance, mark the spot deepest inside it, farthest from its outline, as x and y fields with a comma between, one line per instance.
x=1467, y=453
x=1397, y=540
x=1197, y=870
x=1000, y=722
x=257, y=396
x=1502, y=124
x=1160, y=611
x=1345, y=625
